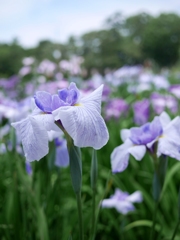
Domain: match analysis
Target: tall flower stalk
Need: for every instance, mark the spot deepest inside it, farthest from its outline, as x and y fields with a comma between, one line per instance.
x=94, y=176
x=160, y=166
x=76, y=178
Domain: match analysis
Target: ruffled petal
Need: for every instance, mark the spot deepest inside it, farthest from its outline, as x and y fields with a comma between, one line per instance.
x=34, y=138
x=138, y=152
x=84, y=124
x=93, y=100
x=120, y=157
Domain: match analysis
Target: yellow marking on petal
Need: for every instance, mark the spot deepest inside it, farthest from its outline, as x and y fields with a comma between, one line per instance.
x=78, y=104
x=162, y=136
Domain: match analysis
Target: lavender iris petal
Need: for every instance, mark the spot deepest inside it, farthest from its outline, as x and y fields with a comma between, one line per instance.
x=146, y=133
x=69, y=96
x=43, y=100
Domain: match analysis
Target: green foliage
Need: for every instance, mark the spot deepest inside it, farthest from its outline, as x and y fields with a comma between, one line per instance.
x=10, y=59
x=161, y=39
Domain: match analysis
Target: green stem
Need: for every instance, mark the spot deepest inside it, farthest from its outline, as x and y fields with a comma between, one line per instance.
x=93, y=214
x=79, y=206
x=154, y=221
x=175, y=230
x=94, y=175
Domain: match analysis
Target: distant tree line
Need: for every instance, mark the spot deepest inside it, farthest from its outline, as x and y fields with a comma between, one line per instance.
x=122, y=41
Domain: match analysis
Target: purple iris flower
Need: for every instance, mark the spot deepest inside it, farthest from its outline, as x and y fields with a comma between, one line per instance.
x=135, y=141
x=160, y=102
x=161, y=130
x=141, y=111
x=115, y=108
x=80, y=118
x=62, y=156
x=28, y=168
x=175, y=89
x=122, y=201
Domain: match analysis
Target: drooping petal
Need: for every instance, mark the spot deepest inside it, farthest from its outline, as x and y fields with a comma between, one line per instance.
x=120, y=157
x=43, y=100
x=135, y=197
x=125, y=134
x=93, y=101
x=84, y=124
x=34, y=138
x=138, y=152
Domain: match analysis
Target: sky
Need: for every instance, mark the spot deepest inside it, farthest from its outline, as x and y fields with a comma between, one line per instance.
x=33, y=20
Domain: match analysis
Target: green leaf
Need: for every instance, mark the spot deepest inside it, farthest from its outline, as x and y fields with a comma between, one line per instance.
x=140, y=223
x=159, y=177
x=94, y=169
x=75, y=167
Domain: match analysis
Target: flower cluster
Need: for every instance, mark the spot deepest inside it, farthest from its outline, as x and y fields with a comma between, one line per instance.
x=161, y=131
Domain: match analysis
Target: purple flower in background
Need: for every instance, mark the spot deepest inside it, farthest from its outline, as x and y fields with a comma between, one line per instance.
x=28, y=168
x=169, y=139
x=135, y=141
x=175, y=89
x=160, y=102
x=160, y=82
x=62, y=156
x=10, y=83
x=141, y=111
x=115, y=108
x=122, y=201
x=24, y=71
x=28, y=61
x=47, y=67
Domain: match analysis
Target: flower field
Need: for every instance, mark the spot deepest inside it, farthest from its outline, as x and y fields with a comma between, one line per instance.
x=89, y=157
